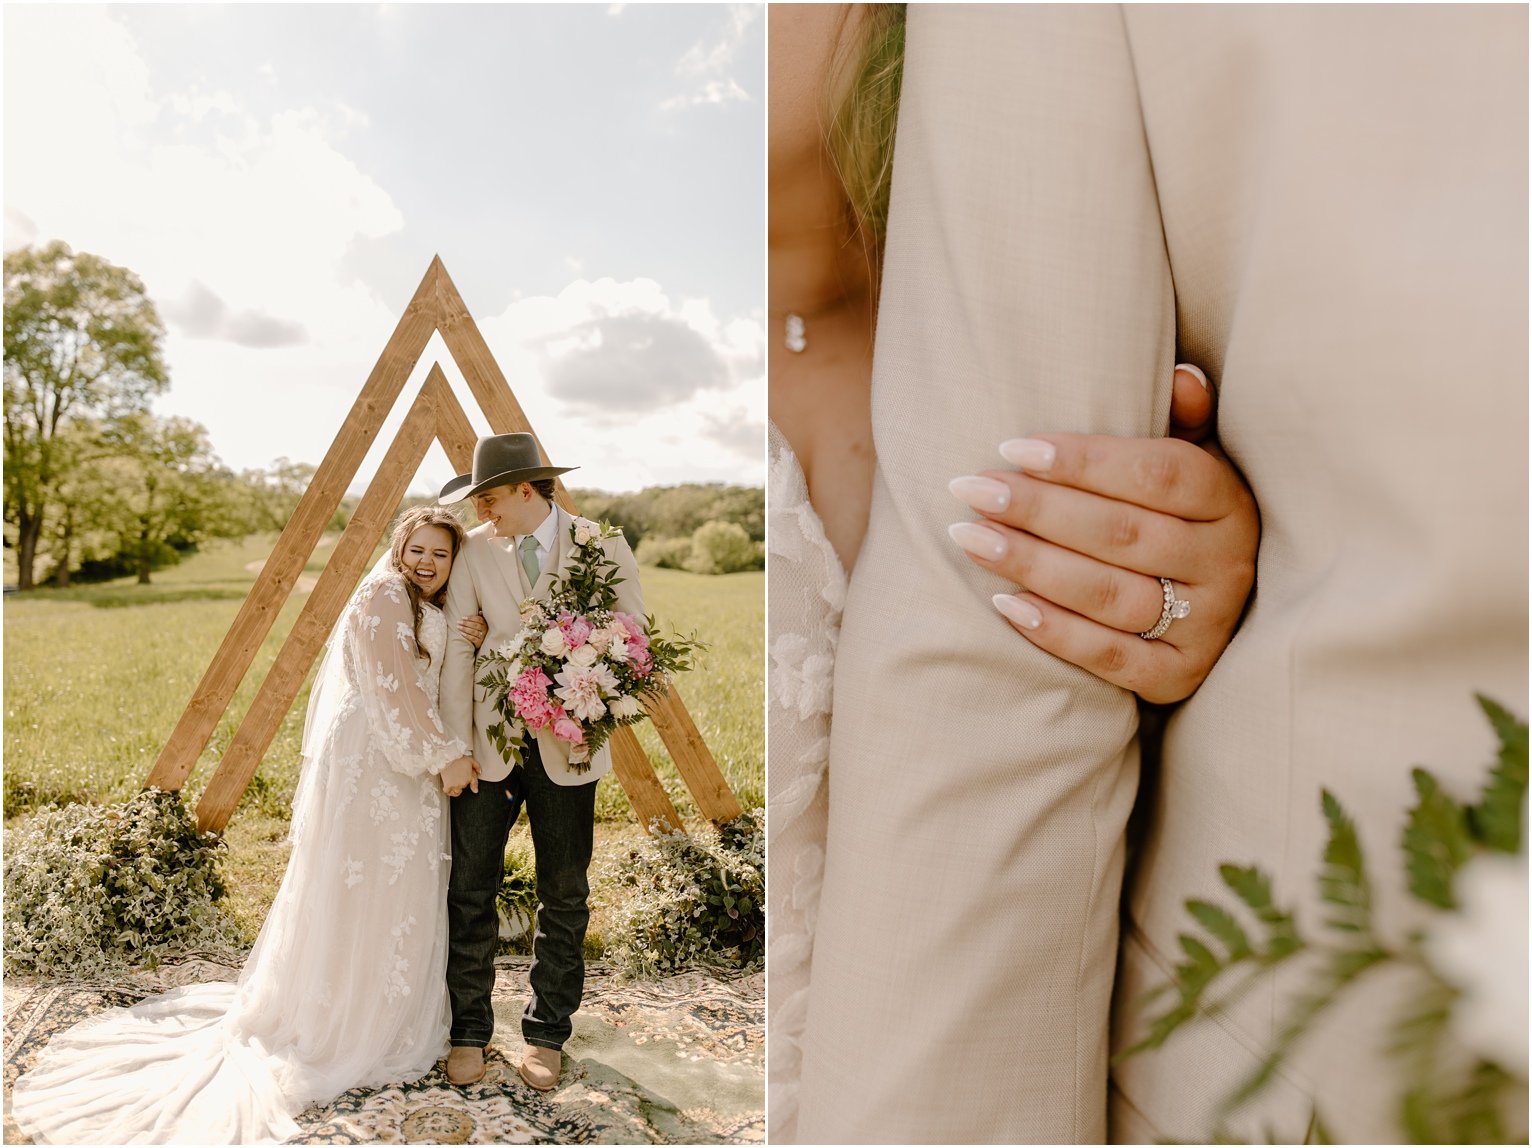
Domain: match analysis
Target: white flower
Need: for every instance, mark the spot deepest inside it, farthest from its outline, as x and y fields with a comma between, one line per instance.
x=1482, y=949
x=584, y=657
x=600, y=640
x=625, y=707
x=508, y=650
x=580, y=688
x=586, y=531
x=553, y=643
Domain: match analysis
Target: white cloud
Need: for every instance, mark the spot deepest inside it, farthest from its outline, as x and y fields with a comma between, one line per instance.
x=262, y=210
x=637, y=388
x=706, y=66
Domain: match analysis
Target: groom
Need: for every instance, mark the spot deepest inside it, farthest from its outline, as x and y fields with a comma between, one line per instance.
x=521, y=546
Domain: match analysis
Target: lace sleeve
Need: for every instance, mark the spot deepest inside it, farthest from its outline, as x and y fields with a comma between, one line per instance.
x=401, y=709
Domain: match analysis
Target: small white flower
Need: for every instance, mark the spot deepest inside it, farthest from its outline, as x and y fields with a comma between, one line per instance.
x=584, y=657
x=586, y=531
x=509, y=649
x=553, y=643
x=1482, y=949
x=625, y=707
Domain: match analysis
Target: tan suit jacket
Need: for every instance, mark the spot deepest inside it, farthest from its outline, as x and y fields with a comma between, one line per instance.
x=488, y=578
x=1326, y=209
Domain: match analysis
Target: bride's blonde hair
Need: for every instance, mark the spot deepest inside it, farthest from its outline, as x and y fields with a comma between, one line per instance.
x=868, y=67
x=409, y=522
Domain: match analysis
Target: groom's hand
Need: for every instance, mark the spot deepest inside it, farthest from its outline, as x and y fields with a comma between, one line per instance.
x=460, y=775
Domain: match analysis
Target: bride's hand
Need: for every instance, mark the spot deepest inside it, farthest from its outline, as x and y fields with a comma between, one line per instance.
x=1089, y=526
x=474, y=628
x=460, y=774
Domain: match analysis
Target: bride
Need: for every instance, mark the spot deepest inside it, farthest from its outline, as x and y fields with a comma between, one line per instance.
x=346, y=984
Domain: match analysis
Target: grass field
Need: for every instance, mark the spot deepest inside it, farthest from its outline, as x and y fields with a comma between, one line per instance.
x=96, y=677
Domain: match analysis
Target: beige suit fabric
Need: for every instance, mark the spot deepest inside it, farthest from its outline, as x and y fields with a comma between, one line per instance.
x=1343, y=197
x=966, y=936
x=488, y=578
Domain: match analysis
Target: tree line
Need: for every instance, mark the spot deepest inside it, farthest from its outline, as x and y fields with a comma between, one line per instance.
x=96, y=485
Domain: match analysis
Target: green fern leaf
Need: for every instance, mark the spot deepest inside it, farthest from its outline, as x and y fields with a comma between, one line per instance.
x=1222, y=925
x=1342, y=878
x=1496, y=820
x=1253, y=887
x=1436, y=842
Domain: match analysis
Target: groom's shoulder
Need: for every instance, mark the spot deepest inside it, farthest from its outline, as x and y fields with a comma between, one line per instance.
x=481, y=533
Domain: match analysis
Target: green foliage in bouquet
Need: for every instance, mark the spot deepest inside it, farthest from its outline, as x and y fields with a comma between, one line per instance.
x=688, y=900
x=90, y=888
x=1444, y=1099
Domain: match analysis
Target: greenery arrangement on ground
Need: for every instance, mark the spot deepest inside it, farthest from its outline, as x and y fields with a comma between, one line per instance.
x=92, y=888
x=687, y=899
x=1457, y=1083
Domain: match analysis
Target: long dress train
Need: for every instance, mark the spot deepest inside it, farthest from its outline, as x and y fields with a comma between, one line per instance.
x=346, y=984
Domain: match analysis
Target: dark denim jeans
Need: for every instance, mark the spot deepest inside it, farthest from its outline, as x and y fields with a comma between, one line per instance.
x=563, y=819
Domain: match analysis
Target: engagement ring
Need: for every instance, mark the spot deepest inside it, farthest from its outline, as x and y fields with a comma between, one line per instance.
x=1174, y=608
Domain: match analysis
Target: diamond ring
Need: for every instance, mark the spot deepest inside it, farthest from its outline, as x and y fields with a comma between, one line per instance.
x=1174, y=608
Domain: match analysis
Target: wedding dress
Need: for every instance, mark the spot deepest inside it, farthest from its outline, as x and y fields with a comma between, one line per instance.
x=807, y=590
x=346, y=984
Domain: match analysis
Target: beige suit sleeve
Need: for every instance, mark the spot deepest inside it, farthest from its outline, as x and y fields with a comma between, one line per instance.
x=457, y=665
x=979, y=787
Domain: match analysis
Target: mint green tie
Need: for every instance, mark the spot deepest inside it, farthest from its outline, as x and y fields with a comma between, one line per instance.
x=528, y=550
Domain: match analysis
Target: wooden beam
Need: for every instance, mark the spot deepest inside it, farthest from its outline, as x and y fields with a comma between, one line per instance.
x=715, y=800
x=453, y=430
x=298, y=539
x=325, y=603
x=646, y=795
x=489, y=386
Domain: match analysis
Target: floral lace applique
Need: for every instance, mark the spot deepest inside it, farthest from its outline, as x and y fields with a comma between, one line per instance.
x=383, y=794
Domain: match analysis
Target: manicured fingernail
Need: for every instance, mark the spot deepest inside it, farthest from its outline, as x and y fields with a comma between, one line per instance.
x=1018, y=610
x=1194, y=372
x=980, y=541
x=1028, y=453
x=985, y=494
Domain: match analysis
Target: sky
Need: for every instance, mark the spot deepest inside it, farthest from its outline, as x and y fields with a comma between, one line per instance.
x=280, y=176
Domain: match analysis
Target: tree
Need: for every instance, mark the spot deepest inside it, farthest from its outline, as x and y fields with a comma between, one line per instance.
x=173, y=491
x=723, y=548
x=82, y=339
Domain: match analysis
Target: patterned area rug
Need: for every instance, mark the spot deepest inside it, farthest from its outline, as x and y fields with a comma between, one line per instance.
x=675, y=1061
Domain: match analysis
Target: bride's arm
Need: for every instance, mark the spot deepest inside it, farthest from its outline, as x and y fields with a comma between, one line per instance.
x=395, y=698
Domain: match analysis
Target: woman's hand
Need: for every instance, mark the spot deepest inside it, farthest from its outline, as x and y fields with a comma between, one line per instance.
x=1090, y=524
x=460, y=774
x=474, y=628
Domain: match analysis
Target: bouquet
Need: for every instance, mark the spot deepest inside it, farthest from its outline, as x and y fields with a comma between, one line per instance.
x=579, y=667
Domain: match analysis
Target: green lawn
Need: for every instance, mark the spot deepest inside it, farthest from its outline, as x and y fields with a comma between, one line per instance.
x=96, y=677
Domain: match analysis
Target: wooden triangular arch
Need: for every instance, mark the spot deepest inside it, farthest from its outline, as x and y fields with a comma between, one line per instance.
x=435, y=413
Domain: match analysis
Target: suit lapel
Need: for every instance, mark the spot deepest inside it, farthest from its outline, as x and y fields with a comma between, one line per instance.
x=508, y=564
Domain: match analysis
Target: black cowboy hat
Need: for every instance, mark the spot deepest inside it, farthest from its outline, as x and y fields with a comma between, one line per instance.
x=500, y=460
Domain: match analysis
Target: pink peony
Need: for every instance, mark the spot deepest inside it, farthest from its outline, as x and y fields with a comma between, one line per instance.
x=568, y=730
x=576, y=629
x=634, y=627
x=640, y=659
x=529, y=697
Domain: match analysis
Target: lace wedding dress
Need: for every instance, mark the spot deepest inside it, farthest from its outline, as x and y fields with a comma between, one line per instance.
x=345, y=986
x=807, y=590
